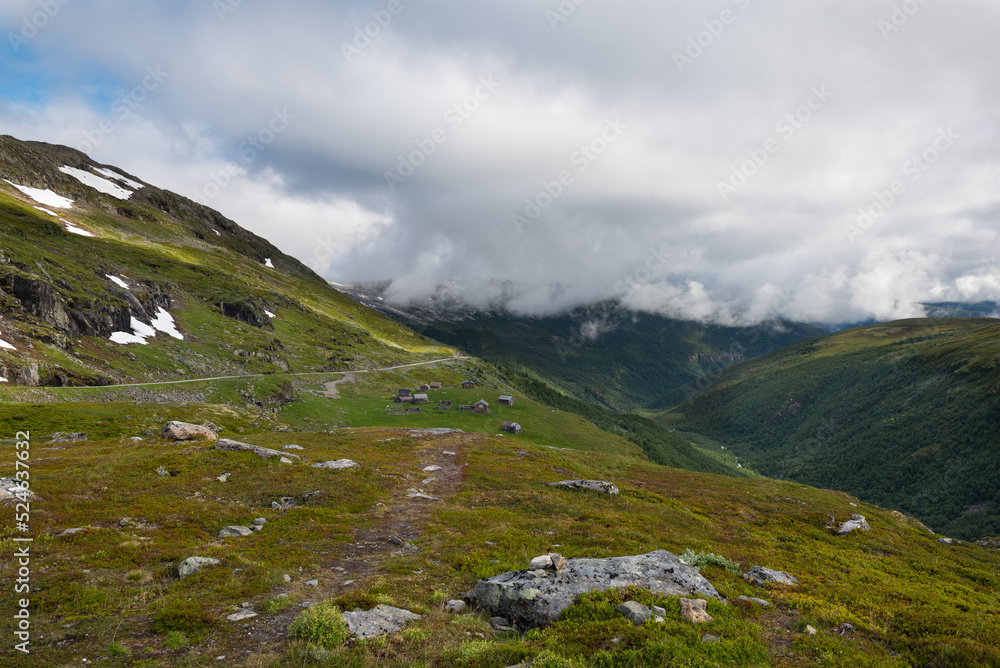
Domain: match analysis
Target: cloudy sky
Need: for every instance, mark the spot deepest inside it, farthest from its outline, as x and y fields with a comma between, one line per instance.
x=724, y=160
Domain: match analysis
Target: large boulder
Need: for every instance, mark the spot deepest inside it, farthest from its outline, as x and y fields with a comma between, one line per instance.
x=264, y=453
x=601, y=486
x=537, y=597
x=183, y=431
x=378, y=621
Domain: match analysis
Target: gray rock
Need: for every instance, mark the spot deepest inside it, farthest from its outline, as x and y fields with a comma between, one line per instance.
x=241, y=615
x=235, y=532
x=337, y=464
x=756, y=601
x=70, y=532
x=946, y=541
x=761, y=576
x=658, y=611
x=856, y=522
x=293, y=447
x=695, y=610
x=230, y=445
x=284, y=503
x=594, y=485
x=10, y=488
x=636, y=612
x=417, y=494
x=533, y=601
x=455, y=606
x=434, y=431
x=378, y=621
x=285, y=460
x=184, y=431
x=259, y=521
x=162, y=472
x=312, y=583
x=709, y=639
x=845, y=628
x=431, y=468
x=75, y=437
x=192, y=565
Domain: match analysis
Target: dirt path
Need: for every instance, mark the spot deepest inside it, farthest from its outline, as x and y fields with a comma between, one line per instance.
x=330, y=390
x=397, y=524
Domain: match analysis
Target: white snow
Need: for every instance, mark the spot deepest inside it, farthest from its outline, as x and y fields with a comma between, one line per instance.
x=96, y=182
x=73, y=229
x=5, y=345
x=117, y=281
x=163, y=322
x=47, y=211
x=267, y=263
x=2, y=379
x=217, y=233
x=111, y=174
x=269, y=314
x=46, y=197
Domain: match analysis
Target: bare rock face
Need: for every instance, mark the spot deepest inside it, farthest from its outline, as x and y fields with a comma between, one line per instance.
x=594, y=485
x=183, y=431
x=535, y=598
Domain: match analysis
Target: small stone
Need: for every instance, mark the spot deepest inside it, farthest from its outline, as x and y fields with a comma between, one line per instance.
x=695, y=611
x=241, y=615
x=192, y=565
x=337, y=464
x=293, y=447
x=709, y=639
x=636, y=612
x=659, y=620
x=256, y=527
x=285, y=460
x=499, y=622
x=760, y=576
x=946, y=541
x=845, y=628
x=259, y=521
x=856, y=522
x=312, y=583
x=124, y=521
x=448, y=452
x=430, y=469
x=224, y=477
x=657, y=610
x=810, y=630
x=70, y=532
x=757, y=601
x=183, y=431
x=541, y=562
x=347, y=582
x=455, y=606
x=162, y=472
x=235, y=532
x=284, y=503
x=287, y=577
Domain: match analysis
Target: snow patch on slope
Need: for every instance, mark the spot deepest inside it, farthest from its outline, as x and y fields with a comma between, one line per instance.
x=163, y=322
x=117, y=281
x=97, y=183
x=115, y=176
x=46, y=197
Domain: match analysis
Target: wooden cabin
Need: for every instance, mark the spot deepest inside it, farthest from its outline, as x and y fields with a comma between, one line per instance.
x=404, y=393
x=481, y=407
x=468, y=385
x=507, y=400
x=435, y=386
x=421, y=399
x=511, y=427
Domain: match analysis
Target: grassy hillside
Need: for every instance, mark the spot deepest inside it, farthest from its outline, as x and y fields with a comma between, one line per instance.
x=110, y=593
x=59, y=306
x=603, y=354
x=903, y=414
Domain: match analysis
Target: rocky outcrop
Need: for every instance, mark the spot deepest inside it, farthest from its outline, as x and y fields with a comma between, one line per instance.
x=761, y=576
x=856, y=522
x=75, y=437
x=264, y=453
x=192, y=565
x=183, y=431
x=601, y=486
x=252, y=311
x=380, y=620
x=535, y=598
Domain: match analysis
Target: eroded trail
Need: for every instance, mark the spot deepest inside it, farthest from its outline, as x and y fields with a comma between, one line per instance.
x=397, y=525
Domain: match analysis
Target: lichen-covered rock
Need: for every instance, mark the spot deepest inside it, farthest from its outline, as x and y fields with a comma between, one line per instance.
x=183, y=431
x=337, y=464
x=264, y=453
x=192, y=565
x=601, y=486
x=761, y=576
x=235, y=532
x=695, y=611
x=856, y=522
x=537, y=597
x=378, y=621
x=456, y=606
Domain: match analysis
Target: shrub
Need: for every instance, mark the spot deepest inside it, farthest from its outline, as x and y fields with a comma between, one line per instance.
x=176, y=640
x=699, y=561
x=319, y=625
